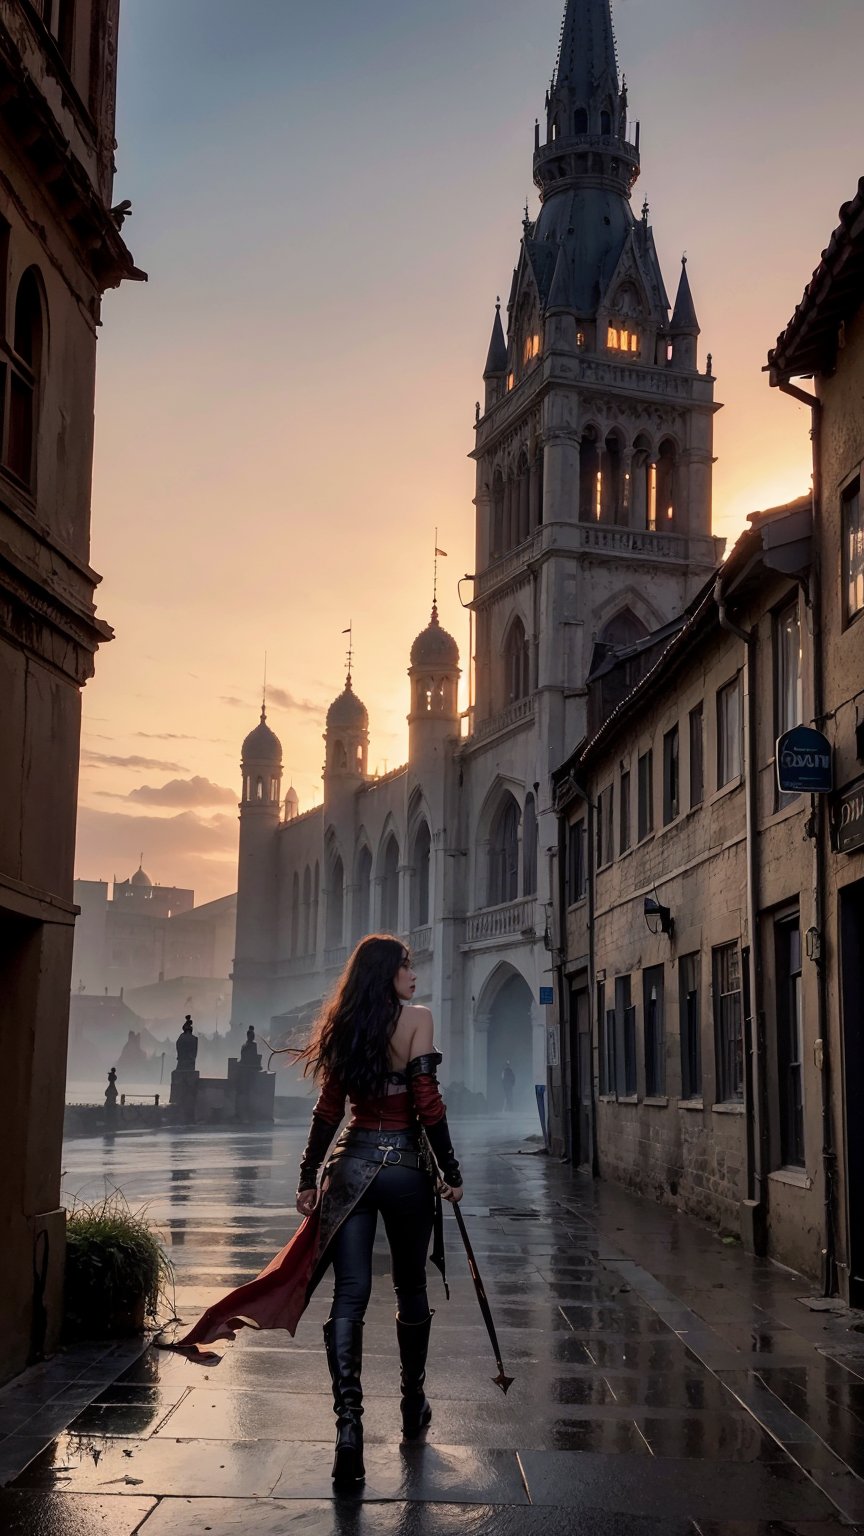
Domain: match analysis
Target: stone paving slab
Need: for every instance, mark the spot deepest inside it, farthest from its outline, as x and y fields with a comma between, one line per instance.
x=347, y=1517
x=70, y=1514
x=663, y=1381
x=674, y=1488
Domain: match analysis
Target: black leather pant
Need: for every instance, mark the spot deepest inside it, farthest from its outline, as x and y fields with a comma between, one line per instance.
x=403, y=1197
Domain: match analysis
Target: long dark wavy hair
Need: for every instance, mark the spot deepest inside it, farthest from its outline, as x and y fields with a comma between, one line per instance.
x=352, y=1035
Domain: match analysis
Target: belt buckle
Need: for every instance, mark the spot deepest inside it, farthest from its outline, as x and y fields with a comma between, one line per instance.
x=386, y=1148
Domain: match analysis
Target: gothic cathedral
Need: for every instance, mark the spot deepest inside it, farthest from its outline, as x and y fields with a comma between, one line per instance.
x=593, y=454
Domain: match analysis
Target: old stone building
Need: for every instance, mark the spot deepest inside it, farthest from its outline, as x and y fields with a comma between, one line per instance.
x=824, y=341
x=688, y=994
x=59, y=250
x=593, y=453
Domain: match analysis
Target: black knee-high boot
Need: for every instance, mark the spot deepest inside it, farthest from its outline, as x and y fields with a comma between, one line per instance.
x=413, y=1348
x=343, y=1340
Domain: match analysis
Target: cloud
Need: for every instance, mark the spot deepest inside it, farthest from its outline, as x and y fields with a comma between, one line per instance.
x=106, y=760
x=183, y=792
x=278, y=696
x=285, y=700
x=163, y=736
x=187, y=849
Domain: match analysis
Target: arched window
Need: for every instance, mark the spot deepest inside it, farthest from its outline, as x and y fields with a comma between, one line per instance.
x=316, y=893
x=24, y=378
x=590, y=479
x=295, y=913
x=529, y=848
x=307, y=909
x=259, y=788
x=606, y=122
x=390, y=886
x=611, y=480
x=538, y=485
x=516, y=662
x=339, y=757
x=523, y=514
x=580, y=121
x=622, y=630
x=497, y=514
x=335, y=904
x=364, y=887
x=504, y=854
x=665, y=506
x=421, y=863
x=641, y=477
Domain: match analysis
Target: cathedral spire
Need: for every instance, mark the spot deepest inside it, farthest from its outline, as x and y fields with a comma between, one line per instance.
x=587, y=56
x=587, y=140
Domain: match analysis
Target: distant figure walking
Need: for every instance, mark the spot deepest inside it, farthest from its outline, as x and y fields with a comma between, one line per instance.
x=508, y=1083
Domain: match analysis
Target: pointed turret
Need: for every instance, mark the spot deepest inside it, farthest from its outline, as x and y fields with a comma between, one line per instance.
x=684, y=328
x=495, y=372
x=496, y=358
x=559, y=291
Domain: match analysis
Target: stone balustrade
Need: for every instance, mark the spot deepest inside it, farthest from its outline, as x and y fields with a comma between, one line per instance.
x=515, y=919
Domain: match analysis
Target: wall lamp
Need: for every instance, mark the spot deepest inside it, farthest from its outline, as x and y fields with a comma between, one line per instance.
x=660, y=916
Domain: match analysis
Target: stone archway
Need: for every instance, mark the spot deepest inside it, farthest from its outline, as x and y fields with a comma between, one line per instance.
x=510, y=1038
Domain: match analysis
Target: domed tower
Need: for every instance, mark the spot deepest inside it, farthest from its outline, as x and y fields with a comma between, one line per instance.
x=346, y=741
x=261, y=769
x=434, y=674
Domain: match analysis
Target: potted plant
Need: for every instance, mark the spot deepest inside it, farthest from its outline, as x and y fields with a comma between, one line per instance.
x=116, y=1269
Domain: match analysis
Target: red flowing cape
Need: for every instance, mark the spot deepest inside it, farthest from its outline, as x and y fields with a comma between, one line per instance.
x=274, y=1299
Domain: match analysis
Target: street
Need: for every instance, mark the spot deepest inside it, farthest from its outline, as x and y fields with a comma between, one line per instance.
x=665, y=1382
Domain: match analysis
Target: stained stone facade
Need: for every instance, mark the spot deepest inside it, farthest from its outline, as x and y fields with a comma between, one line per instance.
x=593, y=454
x=60, y=248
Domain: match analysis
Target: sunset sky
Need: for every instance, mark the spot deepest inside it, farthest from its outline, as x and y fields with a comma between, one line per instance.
x=327, y=199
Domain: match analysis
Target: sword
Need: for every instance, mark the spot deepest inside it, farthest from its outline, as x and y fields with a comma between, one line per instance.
x=502, y=1380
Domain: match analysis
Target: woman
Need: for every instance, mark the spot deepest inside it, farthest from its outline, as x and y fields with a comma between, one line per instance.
x=371, y=1046
x=377, y=1049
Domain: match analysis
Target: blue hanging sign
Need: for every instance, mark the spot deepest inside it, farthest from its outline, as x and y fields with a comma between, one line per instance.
x=805, y=763
x=547, y=996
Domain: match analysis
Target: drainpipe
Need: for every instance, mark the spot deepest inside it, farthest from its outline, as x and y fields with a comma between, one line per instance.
x=820, y=835
x=754, y=1053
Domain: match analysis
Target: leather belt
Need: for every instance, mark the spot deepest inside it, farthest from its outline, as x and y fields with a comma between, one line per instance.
x=389, y=1148
x=387, y=1156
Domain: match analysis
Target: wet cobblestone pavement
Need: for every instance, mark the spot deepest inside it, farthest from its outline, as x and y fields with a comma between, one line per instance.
x=666, y=1384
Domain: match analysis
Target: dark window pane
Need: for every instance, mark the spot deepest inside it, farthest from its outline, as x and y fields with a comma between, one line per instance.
x=671, y=794
x=787, y=950
x=728, y=1023
x=697, y=768
x=624, y=812
x=646, y=795
x=655, y=1031
x=690, y=1026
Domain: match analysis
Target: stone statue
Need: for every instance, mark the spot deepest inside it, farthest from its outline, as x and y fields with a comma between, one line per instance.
x=187, y=1047
x=111, y=1090
x=250, y=1056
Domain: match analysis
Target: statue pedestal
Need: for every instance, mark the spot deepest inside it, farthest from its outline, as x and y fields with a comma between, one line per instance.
x=184, y=1092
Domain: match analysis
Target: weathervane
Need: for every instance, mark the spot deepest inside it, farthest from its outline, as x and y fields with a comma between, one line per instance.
x=349, y=655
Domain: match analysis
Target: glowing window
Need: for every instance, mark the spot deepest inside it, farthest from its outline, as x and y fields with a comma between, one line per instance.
x=510, y=380
x=580, y=338
x=652, y=499
x=622, y=339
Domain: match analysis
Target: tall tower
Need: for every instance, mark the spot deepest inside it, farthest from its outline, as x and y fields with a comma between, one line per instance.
x=595, y=448
x=434, y=674
x=261, y=770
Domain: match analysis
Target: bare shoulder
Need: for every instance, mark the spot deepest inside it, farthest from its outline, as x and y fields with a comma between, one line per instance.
x=419, y=1029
